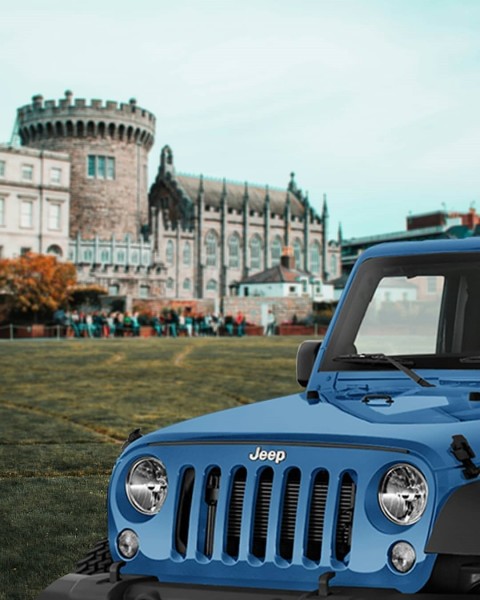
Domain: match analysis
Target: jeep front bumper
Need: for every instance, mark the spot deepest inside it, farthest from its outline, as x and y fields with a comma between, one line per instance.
x=99, y=587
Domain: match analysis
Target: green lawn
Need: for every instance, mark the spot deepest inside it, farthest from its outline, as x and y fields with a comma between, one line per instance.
x=66, y=407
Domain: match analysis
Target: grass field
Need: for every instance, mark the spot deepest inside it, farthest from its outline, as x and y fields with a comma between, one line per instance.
x=65, y=409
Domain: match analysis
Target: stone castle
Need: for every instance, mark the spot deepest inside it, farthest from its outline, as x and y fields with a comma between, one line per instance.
x=188, y=237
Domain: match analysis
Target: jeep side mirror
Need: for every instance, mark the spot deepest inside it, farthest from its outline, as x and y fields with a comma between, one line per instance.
x=306, y=355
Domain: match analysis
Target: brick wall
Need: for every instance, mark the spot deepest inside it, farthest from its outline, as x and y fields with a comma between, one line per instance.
x=205, y=306
x=283, y=308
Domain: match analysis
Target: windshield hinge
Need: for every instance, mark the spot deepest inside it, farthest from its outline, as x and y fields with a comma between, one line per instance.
x=463, y=452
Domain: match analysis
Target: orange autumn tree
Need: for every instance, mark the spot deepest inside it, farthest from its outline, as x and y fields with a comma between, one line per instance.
x=37, y=283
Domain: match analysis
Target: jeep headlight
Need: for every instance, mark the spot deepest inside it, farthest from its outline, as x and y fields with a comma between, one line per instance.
x=147, y=485
x=403, y=494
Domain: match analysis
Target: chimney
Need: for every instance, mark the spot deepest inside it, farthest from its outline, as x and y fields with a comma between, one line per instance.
x=287, y=259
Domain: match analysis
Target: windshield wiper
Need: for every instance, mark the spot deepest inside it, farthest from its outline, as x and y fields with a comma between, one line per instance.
x=382, y=358
x=470, y=359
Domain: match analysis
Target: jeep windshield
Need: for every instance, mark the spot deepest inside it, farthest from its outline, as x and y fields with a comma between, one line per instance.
x=424, y=310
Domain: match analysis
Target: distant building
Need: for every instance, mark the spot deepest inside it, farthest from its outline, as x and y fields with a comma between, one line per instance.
x=34, y=202
x=426, y=226
x=285, y=281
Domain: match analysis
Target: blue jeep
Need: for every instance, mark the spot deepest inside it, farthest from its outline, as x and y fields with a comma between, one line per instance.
x=365, y=485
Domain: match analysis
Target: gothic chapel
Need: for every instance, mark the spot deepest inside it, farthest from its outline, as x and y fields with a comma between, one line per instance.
x=211, y=233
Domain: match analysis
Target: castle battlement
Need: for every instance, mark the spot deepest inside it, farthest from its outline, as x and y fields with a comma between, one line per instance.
x=78, y=118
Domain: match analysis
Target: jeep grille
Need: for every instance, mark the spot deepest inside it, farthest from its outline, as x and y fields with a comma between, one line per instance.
x=264, y=518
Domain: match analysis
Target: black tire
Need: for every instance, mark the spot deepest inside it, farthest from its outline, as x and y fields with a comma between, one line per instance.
x=98, y=560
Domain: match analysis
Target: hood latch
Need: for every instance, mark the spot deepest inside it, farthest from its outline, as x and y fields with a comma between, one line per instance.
x=463, y=452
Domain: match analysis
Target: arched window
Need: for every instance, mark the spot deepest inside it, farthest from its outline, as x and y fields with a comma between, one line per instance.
x=121, y=257
x=234, y=251
x=315, y=257
x=169, y=253
x=255, y=252
x=276, y=251
x=187, y=254
x=87, y=255
x=187, y=284
x=297, y=253
x=211, y=244
x=134, y=257
x=169, y=283
x=105, y=256
x=333, y=266
x=212, y=285
x=55, y=250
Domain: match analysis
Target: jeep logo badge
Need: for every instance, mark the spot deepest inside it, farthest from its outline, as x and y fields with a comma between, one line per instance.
x=276, y=456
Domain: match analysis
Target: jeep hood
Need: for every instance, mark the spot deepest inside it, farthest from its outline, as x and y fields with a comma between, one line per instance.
x=414, y=424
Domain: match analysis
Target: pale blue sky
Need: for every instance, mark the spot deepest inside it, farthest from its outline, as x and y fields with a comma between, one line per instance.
x=373, y=102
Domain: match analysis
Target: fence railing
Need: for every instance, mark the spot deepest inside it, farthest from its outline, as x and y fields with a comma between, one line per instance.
x=13, y=332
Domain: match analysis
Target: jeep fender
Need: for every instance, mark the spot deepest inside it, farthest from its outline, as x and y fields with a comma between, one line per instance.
x=457, y=528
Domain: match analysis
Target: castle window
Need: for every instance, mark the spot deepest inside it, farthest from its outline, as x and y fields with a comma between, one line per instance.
x=2, y=168
x=100, y=167
x=234, y=251
x=27, y=172
x=26, y=214
x=2, y=212
x=55, y=175
x=134, y=257
x=255, y=252
x=91, y=166
x=121, y=257
x=276, y=251
x=315, y=257
x=211, y=243
x=187, y=284
x=144, y=291
x=169, y=283
x=333, y=266
x=54, y=216
x=55, y=250
x=110, y=167
x=169, y=253
x=105, y=256
x=87, y=255
x=297, y=253
x=187, y=254
x=212, y=285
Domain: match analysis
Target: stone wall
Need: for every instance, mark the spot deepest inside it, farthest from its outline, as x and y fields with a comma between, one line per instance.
x=105, y=207
x=100, y=205
x=284, y=309
x=197, y=307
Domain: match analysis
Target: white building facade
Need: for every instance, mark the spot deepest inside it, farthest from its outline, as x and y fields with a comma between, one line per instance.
x=34, y=202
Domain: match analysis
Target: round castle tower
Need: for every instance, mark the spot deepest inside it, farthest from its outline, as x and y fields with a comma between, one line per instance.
x=108, y=146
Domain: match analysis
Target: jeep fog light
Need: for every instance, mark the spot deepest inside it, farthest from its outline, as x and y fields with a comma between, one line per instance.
x=403, y=557
x=403, y=494
x=127, y=543
x=147, y=485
